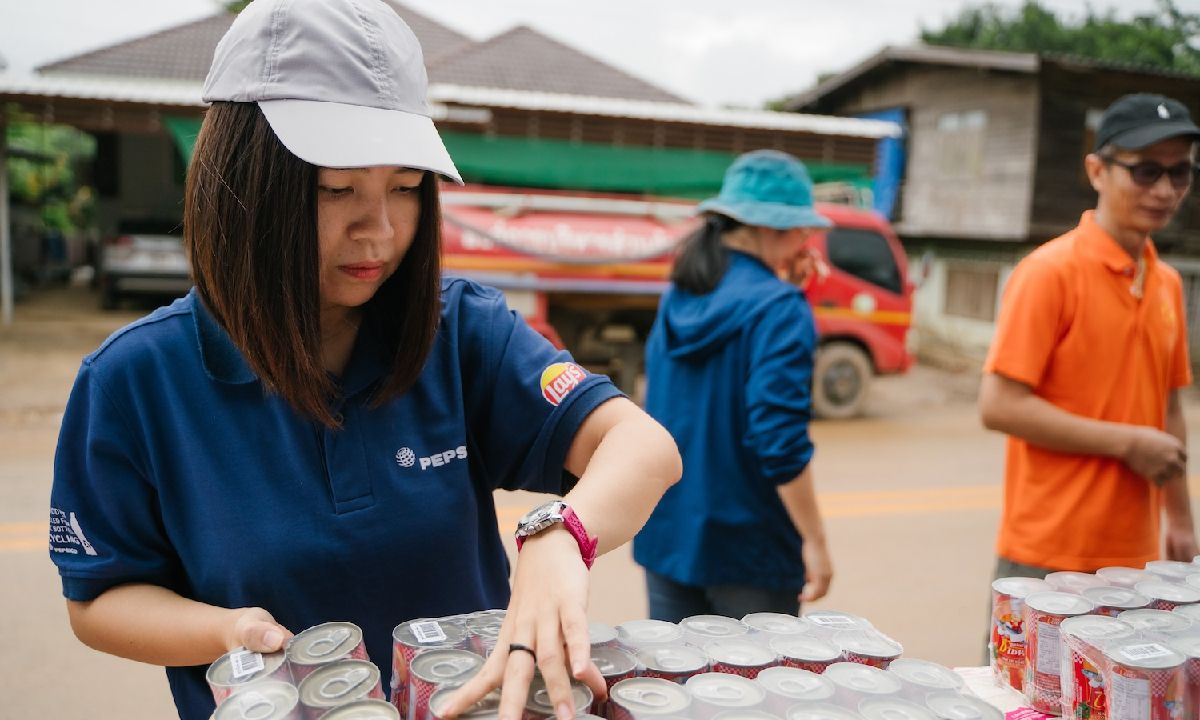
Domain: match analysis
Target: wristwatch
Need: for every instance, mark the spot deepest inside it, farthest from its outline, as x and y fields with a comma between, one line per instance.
x=551, y=513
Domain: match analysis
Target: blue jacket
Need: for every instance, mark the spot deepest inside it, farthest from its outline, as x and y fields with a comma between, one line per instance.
x=175, y=467
x=729, y=374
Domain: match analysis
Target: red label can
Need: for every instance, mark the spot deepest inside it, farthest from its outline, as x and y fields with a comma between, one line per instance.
x=410, y=638
x=539, y=707
x=1044, y=613
x=1007, y=646
x=433, y=669
x=1145, y=681
x=1084, y=639
x=1167, y=595
x=675, y=663
x=868, y=647
x=646, y=697
x=805, y=652
x=615, y=665
x=339, y=683
x=740, y=657
x=323, y=644
x=266, y=700
x=240, y=668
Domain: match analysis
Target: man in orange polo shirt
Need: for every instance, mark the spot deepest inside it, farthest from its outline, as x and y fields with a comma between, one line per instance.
x=1089, y=355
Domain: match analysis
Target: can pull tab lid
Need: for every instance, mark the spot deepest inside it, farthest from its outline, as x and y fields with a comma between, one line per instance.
x=649, y=698
x=328, y=643
x=721, y=691
x=254, y=706
x=793, y=687
x=341, y=685
x=710, y=628
x=451, y=667
x=604, y=665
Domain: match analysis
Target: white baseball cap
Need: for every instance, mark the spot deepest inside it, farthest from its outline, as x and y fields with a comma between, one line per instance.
x=342, y=82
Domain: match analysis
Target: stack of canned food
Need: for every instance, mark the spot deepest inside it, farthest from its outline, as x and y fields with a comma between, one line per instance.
x=323, y=673
x=1120, y=643
x=824, y=666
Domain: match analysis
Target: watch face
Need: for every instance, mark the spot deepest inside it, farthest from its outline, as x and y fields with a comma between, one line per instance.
x=540, y=518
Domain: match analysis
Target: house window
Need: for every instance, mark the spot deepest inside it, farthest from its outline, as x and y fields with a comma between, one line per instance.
x=960, y=147
x=971, y=291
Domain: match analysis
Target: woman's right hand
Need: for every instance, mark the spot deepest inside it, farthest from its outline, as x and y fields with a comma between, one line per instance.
x=256, y=630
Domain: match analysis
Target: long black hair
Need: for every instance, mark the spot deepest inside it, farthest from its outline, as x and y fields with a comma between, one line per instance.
x=702, y=258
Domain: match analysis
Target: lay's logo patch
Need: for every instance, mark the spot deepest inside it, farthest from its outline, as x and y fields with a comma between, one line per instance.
x=559, y=380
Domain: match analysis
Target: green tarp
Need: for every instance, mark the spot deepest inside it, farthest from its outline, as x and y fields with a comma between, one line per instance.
x=527, y=162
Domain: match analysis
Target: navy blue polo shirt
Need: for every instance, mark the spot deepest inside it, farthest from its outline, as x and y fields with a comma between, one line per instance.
x=175, y=467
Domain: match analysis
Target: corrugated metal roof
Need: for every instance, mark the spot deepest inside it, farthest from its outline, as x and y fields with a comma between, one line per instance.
x=184, y=52
x=134, y=90
x=525, y=59
x=665, y=112
x=187, y=94
x=928, y=54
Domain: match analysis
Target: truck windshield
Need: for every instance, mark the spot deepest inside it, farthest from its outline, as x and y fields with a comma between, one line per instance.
x=865, y=255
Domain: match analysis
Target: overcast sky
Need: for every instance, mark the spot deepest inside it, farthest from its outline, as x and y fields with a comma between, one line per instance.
x=733, y=52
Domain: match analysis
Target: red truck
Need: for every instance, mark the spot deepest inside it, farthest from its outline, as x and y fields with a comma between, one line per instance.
x=586, y=270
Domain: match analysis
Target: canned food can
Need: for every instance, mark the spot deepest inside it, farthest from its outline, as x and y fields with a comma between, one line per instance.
x=1044, y=612
x=337, y=684
x=1084, y=639
x=615, y=665
x=483, y=629
x=1112, y=600
x=639, y=633
x=265, y=700
x=538, y=705
x=699, y=630
x=1192, y=613
x=1007, y=646
x=854, y=682
x=239, y=668
x=433, y=669
x=363, y=710
x=1166, y=595
x=410, y=638
x=486, y=708
x=766, y=625
x=676, y=662
x=868, y=647
x=714, y=693
x=323, y=644
x=1159, y=623
x=1125, y=577
x=745, y=715
x=805, y=652
x=828, y=622
x=647, y=697
x=1069, y=581
x=1171, y=569
x=921, y=678
x=893, y=709
x=961, y=707
x=787, y=686
x=740, y=657
x=1146, y=680
x=601, y=634
x=821, y=711
x=1189, y=648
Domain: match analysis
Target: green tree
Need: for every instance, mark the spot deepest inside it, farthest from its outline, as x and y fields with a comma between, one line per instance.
x=43, y=170
x=1166, y=38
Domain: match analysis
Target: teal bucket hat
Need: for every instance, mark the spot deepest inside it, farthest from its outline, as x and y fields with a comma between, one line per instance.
x=767, y=188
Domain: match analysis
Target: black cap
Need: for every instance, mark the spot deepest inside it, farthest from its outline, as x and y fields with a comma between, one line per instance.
x=1137, y=121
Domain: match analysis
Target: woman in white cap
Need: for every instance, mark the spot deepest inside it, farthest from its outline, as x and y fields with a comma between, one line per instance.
x=733, y=344
x=315, y=431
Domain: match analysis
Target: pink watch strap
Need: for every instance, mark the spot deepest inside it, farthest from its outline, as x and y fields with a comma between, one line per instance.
x=587, y=545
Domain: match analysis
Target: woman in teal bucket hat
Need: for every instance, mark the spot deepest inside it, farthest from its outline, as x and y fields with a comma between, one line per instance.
x=729, y=367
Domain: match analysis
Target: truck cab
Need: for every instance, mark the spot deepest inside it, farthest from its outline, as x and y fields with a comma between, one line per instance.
x=586, y=270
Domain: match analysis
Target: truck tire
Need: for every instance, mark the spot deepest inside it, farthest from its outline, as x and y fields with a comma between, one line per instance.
x=841, y=380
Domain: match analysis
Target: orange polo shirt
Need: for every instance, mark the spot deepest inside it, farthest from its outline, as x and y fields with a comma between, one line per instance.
x=1070, y=328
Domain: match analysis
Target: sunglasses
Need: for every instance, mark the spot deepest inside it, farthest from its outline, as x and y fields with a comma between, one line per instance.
x=1147, y=172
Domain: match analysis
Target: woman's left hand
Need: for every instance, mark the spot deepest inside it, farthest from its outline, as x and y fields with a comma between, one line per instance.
x=548, y=615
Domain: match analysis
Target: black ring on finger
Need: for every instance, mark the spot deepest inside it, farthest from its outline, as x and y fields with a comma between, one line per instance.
x=520, y=647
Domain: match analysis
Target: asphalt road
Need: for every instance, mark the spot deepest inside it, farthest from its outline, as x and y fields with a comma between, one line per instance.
x=911, y=497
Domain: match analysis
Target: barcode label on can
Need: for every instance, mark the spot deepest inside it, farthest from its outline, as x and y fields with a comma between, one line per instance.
x=245, y=663
x=428, y=632
x=1149, y=651
x=830, y=619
